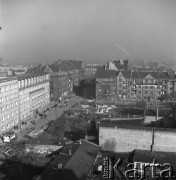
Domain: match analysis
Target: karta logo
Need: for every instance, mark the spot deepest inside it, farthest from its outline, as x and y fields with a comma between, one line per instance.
x=136, y=170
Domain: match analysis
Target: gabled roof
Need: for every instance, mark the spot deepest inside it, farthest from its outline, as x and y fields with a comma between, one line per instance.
x=80, y=161
x=141, y=75
x=102, y=73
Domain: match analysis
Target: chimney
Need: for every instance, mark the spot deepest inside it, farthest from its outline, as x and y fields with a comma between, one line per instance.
x=131, y=72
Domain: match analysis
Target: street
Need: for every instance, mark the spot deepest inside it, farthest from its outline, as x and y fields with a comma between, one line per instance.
x=54, y=114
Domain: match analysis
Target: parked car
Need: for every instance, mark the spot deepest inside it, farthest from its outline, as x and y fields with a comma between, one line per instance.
x=8, y=137
x=33, y=122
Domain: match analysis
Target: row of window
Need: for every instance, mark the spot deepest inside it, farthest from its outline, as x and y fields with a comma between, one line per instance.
x=9, y=125
x=33, y=88
x=33, y=81
x=8, y=88
x=38, y=95
x=7, y=117
x=9, y=106
x=25, y=115
x=40, y=101
x=25, y=107
x=7, y=98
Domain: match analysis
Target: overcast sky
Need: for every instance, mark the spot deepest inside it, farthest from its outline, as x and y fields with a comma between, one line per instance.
x=88, y=30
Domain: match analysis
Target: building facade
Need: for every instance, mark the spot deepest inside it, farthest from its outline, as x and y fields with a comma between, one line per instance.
x=141, y=86
x=127, y=86
x=90, y=70
x=9, y=104
x=34, y=95
x=64, y=76
x=21, y=97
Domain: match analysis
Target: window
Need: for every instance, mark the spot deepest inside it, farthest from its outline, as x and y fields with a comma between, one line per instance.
x=1, y=90
x=120, y=79
x=8, y=116
x=2, y=119
x=3, y=128
x=8, y=125
x=158, y=87
x=12, y=123
x=16, y=120
x=151, y=87
x=146, y=92
x=12, y=114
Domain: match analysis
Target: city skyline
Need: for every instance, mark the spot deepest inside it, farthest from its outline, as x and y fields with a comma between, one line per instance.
x=92, y=31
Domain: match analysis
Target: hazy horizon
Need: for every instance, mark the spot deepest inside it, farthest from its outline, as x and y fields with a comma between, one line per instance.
x=93, y=31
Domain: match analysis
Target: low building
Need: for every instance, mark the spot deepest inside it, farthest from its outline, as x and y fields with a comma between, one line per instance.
x=77, y=158
x=127, y=135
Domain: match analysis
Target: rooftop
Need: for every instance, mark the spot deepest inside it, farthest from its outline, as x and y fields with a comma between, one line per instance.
x=102, y=73
x=131, y=124
x=160, y=157
x=80, y=160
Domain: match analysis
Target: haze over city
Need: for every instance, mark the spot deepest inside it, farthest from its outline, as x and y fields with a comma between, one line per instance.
x=92, y=31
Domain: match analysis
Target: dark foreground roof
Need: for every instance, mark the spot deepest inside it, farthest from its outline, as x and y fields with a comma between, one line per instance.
x=160, y=157
x=79, y=162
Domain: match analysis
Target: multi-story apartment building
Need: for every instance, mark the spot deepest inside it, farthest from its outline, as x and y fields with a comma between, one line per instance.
x=106, y=87
x=64, y=76
x=21, y=97
x=90, y=70
x=171, y=86
x=34, y=95
x=130, y=86
x=137, y=86
x=9, y=104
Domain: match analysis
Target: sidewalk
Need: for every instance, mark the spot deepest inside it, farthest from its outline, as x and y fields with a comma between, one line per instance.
x=54, y=114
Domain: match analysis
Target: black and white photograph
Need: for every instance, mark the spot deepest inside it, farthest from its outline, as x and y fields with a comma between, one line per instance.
x=87, y=89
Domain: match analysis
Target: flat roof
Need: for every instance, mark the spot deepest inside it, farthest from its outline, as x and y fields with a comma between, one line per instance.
x=132, y=124
x=5, y=79
x=24, y=76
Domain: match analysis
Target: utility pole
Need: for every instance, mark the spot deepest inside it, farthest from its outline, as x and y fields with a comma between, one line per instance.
x=55, y=109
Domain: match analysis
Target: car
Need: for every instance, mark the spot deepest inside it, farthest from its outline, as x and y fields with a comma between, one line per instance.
x=33, y=122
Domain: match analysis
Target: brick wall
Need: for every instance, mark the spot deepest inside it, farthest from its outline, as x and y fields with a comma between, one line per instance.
x=164, y=141
x=126, y=139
